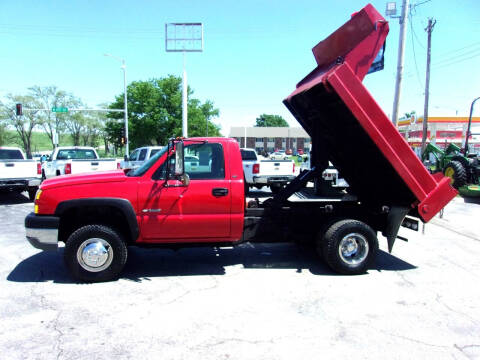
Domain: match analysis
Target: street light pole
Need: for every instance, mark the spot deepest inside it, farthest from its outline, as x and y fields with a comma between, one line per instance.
x=125, y=107
x=401, y=49
x=125, y=113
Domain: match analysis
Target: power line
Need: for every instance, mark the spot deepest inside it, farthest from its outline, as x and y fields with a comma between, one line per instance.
x=460, y=56
x=456, y=62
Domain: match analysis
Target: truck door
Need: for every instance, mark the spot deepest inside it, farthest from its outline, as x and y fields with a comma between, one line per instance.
x=197, y=212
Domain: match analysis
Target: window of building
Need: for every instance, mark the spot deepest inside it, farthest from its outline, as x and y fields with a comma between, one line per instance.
x=258, y=139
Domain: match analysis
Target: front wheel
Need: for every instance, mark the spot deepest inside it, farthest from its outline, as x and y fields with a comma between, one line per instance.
x=349, y=247
x=95, y=253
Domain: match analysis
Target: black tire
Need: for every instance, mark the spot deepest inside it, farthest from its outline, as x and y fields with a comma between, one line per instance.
x=462, y=160
x=113, y=244
x=31, y=193
x=457, y=174
x=342, y=234
x=259, y=187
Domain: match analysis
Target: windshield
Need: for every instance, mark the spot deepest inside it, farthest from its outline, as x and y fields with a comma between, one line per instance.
x=143, y=169
x=80, y=154
x=248, y=155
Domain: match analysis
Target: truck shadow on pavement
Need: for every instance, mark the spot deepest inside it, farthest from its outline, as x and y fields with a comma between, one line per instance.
x=13, y=198
x=144, y=264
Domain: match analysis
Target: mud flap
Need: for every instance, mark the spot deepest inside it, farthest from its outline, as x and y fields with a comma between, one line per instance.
x=394, y=220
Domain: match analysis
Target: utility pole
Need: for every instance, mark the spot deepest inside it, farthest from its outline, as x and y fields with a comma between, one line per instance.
x=401, y=50
x=429, y=29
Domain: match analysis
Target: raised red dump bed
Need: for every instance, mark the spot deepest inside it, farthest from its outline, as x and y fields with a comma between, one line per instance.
x=350, y=129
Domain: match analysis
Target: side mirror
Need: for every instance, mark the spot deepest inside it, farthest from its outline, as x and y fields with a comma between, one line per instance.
x=125, y=157
x=179, y=166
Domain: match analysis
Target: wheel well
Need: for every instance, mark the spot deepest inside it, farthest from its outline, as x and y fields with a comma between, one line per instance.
x=76, y=217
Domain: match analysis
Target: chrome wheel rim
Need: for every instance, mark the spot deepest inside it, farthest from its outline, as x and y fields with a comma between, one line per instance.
x=95, y=255
x=353, y=248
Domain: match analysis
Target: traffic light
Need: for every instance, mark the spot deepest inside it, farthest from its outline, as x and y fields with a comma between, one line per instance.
x=19, y=109
x=123, y=138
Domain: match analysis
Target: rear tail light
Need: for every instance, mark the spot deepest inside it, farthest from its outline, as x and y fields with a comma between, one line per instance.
x=294, y=168
x=39, y=169
x=118, y=165
x=68, y=169
x=256, y=168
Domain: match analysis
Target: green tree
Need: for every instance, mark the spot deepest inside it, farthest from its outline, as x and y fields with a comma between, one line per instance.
x=25, y=124
x=155, y=112
x=92, y=130
x=75, y=124
x=49, y=97
x=2, y=135
x=265, y=120
x=102, y=121
x=114, y=131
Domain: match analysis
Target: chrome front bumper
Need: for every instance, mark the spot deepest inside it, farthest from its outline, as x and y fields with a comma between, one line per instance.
x=42, y=231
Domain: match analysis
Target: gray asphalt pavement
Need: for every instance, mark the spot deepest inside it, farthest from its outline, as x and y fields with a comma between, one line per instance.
x=250, y=302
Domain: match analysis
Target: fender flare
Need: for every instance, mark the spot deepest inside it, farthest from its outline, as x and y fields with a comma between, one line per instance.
x=121, y=204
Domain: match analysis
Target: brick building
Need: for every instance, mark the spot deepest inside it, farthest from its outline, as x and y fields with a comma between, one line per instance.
x=271, y=138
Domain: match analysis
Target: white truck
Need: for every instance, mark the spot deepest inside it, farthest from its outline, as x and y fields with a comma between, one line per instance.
x=330, y=174
x=17, y=173
x=139, y=156
x=67, y=160
x=260, y=172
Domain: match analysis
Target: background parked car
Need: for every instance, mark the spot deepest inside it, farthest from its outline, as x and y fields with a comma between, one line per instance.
x=17, y=173
x=66, y=160
x=279, y=155
x=139, y=156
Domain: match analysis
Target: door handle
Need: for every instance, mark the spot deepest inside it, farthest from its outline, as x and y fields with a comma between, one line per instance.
x=220, y=192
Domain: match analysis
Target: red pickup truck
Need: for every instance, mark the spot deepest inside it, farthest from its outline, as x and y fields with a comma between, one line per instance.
x=192, y=191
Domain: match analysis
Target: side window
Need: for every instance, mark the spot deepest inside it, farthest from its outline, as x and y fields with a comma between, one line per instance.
x=142, y=155
x=133, y=156
x=202, y=162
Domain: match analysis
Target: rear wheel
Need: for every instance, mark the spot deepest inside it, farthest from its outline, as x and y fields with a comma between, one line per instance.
x=348, y=247
x=457, y=173
x=95, y=253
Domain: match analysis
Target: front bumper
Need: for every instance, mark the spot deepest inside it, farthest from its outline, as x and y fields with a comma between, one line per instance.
x=267, y=180
x=42, y=231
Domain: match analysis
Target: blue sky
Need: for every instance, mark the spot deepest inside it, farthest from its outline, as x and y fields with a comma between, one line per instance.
x=255, y=51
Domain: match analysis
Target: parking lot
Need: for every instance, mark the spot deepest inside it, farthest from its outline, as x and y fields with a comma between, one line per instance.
x=261, y=301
